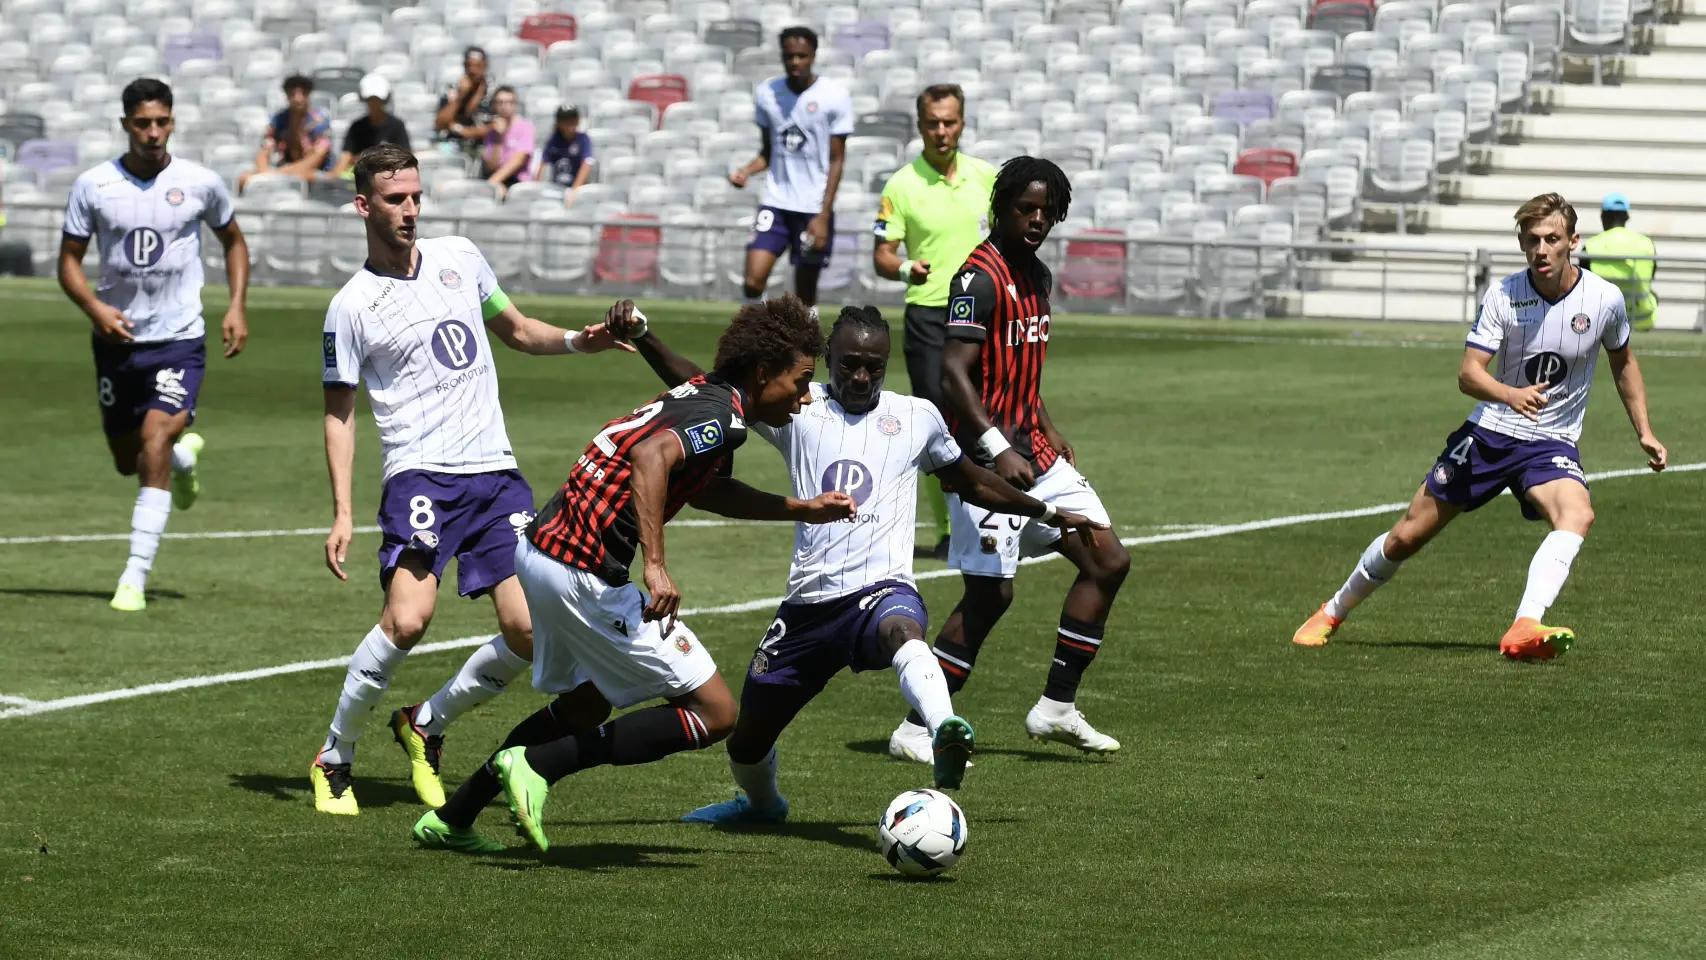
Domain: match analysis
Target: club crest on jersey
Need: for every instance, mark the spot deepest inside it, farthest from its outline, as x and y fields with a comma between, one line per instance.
x=1580, y=323
x=888, y=425
x=175, y=197
x=962, y=310
x=811, y=106
x=704, y=437
x=760, y=664
x=986, y=543
x=450, y=278
x=682, y=643
x=454, y=344
x=1443, y=473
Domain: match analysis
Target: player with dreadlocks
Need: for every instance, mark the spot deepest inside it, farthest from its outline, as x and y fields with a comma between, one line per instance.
x=852, y=601
x=992, y=371
x=598, y=642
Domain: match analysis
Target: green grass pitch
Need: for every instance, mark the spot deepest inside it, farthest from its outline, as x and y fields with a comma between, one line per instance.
x=1400, y=793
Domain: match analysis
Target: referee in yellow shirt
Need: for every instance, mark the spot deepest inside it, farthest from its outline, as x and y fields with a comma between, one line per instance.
x=938, y=207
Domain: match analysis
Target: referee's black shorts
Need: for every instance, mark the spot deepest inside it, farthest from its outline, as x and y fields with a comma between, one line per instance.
x=926, y=333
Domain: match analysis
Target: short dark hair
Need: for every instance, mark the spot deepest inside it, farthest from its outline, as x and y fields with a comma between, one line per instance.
x=474, y=52
x=506, y=89
x=866, y=318
x=145, y=90
x=297, y=81
x=1613, y=218
x=941, y=91
x=1018, y=174
x=384, y=158
x=568, y=113
x=768, y=335
x=798, y=33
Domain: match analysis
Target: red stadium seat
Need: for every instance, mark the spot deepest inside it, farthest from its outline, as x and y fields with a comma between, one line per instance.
x=661, y=90
x=1094, y=268
x=628, y=251
x=548, y=28
x=1267, y=163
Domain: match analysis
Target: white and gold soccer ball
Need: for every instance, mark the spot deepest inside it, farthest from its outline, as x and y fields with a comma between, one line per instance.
x=922, y=833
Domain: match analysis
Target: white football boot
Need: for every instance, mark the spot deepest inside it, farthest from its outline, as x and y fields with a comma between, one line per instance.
x=1068, y=727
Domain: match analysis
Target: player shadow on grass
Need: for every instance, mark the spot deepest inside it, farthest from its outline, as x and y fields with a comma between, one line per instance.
x=46, y=592
x=880, y=748
x=592, y=857
x=1460, y=646
x=854, y=836
x=372, y=792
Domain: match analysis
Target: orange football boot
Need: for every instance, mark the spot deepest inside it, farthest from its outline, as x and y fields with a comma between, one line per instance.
x=1317, y=630
x=1529, y=639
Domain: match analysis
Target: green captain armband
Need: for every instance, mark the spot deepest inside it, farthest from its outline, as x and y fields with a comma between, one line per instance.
x=494, y=304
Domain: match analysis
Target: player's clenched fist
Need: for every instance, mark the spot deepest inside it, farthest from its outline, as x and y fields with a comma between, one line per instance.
x=111, y=323
x=1529, y=401
x=829, y=507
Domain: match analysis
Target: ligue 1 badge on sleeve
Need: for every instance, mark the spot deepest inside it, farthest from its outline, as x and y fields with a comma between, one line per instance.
x=1580, y=323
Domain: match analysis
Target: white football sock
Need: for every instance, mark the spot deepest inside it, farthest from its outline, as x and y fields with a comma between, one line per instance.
x=1055, y=708
x=183, y=458
x=1372, y=570
x=1547, y=572
x=365, y=681
x=759, y=781
x=147, y=522
x=922, y=683
x=484, y=675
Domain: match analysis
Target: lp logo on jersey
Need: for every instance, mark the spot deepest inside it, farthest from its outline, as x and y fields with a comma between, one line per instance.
x=144, y=246
x=1546, y=367
x=850, y=477
x=453, y=344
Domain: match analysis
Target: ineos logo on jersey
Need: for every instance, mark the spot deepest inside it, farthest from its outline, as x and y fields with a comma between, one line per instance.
x=454, y=345
x=144, y=246
x=1028, y=330
x=850, y=477
x=1546, y=367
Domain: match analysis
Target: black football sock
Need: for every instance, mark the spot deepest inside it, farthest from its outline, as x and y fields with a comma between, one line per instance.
x=1075, y=646
x=638, y=737
x=482, y=788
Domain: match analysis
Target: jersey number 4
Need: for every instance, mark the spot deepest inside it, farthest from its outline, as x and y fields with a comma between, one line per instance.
x=1460, y=453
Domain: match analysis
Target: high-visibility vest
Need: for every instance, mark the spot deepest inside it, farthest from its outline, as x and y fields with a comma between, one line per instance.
x=1633, y=277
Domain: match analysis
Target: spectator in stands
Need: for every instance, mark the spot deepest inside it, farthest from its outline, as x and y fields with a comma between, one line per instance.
x=465, y=110
x=938, y=207
x=379, y=126
x=298, y=141
x=507, y=157
x=1626, y=258
x=567, y=158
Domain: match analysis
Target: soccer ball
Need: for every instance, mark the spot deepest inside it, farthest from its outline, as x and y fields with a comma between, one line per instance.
x=922, y=833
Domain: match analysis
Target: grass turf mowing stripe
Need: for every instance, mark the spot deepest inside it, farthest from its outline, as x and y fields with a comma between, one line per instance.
x=747, y=606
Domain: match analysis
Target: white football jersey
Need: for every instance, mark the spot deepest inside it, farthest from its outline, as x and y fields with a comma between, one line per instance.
x=420, y=346
x=799, y=126
x=874, y=457
x=1538, y=341
x=149, y=235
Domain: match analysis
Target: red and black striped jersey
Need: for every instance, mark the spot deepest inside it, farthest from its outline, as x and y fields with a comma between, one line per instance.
x=1007, y=311
x=590, y=521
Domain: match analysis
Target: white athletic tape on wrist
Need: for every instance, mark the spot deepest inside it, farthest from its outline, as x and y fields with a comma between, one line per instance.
x=993, y=443
x=642, y=327
x=1049, y=513
x=906, y=270
x=569, y=340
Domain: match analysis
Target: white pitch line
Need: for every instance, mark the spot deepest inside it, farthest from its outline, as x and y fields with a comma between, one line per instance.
x=17, y=701
x=1203, y=533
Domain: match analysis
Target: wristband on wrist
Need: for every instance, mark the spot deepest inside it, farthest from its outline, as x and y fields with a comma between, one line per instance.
x=906, y=270
x=1048, y=514
x=569, y=340
x=993, y=443
x=641, y=327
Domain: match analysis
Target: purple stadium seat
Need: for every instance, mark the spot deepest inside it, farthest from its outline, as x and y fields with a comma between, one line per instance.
x=191, y=46
x=43, y=156
x=1244, y=106
x=861, y=37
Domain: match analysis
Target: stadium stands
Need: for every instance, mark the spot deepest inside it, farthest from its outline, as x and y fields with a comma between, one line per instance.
x=1196, y=121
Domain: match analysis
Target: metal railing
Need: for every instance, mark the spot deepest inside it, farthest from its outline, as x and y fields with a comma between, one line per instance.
x=695, y=259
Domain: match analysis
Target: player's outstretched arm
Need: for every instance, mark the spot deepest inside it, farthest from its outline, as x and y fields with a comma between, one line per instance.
x=1632, y=387
x=983, y=488
x=671, y=367
x=729, y=497
x=234, y=331
x=340, y=462
x=527, y=335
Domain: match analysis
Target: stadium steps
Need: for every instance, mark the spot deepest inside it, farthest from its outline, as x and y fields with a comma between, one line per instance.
x=1658, y=100
x=1570, y=128
x=1679, y=195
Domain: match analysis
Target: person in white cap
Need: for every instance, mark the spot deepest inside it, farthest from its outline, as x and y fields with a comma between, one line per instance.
x=379, y=126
